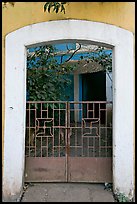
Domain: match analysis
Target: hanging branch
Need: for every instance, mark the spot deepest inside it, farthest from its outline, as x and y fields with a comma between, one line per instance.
x=61, y=60
x=57, y=7
x=73, y=53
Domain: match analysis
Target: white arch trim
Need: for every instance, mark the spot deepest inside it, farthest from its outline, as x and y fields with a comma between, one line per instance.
x=15, y=95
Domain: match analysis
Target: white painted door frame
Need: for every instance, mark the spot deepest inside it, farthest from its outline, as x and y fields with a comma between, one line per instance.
x=121, y=42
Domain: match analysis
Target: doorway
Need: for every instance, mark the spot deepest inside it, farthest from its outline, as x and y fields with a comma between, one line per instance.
x=15, y=86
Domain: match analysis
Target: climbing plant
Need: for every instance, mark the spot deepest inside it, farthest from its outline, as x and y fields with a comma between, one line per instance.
x=47, y=74
x=46, y=77
x=55, y=6
x=48, y=6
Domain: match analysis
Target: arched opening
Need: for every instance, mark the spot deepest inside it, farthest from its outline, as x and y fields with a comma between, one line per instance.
x=69, y=116
x=15, y=95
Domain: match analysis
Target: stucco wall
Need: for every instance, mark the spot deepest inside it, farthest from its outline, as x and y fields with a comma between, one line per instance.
x=121, y=14
x=25, y=13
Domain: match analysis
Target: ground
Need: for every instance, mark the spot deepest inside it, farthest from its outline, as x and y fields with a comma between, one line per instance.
x=67, y=192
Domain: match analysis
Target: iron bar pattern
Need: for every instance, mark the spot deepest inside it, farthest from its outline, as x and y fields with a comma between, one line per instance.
x=62, y=129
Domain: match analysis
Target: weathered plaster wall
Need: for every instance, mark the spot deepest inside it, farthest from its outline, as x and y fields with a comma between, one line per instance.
x=115, y=13
x=121, y=14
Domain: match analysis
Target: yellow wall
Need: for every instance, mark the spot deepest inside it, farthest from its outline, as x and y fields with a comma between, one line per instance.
x=24, y=13
x=121, y=14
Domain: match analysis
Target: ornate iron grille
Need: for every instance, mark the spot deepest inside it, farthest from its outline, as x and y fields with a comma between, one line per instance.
x=75, y=129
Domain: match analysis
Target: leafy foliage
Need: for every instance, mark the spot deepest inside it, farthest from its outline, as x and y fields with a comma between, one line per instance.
x=104, y=59
x=101, y=57
x=46, y=78
x=120, y=197
x=56, y=6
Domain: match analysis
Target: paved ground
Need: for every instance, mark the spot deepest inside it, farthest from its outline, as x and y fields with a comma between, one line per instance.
x=67, y=192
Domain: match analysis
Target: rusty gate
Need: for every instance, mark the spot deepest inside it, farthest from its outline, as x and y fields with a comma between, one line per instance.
x=68, y=141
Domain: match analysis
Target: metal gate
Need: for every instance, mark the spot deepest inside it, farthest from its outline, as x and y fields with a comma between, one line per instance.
x=68, y=141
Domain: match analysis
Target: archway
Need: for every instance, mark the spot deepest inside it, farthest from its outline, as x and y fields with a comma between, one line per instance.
x=121, y=41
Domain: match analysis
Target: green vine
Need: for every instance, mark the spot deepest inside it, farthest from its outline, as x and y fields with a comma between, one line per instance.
x=56, y=6
x=48, y=6
x=120, y=197
x=46, y=78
